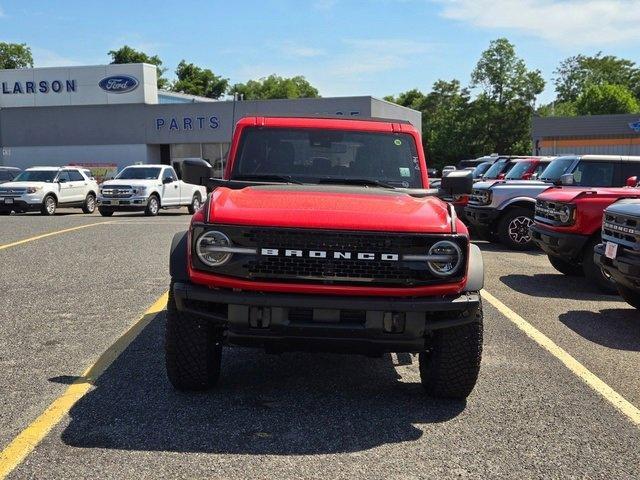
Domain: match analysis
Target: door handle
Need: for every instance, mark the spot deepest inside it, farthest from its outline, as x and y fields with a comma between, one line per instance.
x=175, y=186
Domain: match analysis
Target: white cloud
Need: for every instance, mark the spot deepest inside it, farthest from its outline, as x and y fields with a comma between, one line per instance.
x=564, y=22
x=2, y=14
x=293, y=49
x=324, y=4
x=364, y=56
x=47, y=58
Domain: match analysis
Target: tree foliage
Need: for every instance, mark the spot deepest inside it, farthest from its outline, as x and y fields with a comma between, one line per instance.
x=606, y=99
x=15, y=55
x=275, y=86
x=126, y=54
x=198, y=81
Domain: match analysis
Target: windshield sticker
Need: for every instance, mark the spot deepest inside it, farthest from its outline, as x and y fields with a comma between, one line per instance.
x=405, y=172
x=416, y=163
x=398, y=142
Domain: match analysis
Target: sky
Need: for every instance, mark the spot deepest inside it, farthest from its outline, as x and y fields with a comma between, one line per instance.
x=343, y=47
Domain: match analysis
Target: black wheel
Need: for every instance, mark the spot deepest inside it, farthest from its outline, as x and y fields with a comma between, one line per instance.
x=89, y=205
x=450, y=367
x=193, y=350
x=513, y=228
x=632, y=297
x=195, y=204
x=153, y=206
x=105, y=212
x=594, y=272
x=564, y=267
x=49, y=205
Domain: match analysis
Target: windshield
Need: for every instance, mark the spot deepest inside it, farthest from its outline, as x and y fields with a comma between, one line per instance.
x=139, y=173
x=518, y=170
x=556, y=169
x=496, y=169
x=325, y=156
x=481, y=169
x=36, y=176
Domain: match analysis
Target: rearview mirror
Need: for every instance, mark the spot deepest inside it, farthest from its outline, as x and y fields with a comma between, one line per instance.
x=632, y=181
x=567, y=179
x=459, y=182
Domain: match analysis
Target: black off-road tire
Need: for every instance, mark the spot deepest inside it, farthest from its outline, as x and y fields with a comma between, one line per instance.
x=152, y=209
x=450, y=367
x=564, y=267
x=594, y=272
x=49, y=205
x=105, y=212
x=632, y=297
x=196, y=201
x=513, y=229
x=193, y=350
x=89, y=205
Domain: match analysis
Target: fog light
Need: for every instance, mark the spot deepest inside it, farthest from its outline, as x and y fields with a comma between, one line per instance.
x=393, y=322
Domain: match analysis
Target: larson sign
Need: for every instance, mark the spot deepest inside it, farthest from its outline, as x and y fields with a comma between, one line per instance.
x=43, y=86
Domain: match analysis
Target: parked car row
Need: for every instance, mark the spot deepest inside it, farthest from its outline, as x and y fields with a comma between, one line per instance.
x=147, y=188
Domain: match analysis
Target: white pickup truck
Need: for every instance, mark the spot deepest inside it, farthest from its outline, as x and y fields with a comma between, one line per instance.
x=148, y=188
x=46, y=188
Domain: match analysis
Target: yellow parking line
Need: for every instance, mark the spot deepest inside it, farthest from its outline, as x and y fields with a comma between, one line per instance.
x=614, y=398
x=45, y=235
x=30, y=437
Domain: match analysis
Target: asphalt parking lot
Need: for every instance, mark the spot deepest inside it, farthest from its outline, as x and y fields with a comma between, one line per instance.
x=67, y=297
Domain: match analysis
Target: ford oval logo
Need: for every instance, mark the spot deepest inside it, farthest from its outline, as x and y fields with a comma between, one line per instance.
x=119, y=84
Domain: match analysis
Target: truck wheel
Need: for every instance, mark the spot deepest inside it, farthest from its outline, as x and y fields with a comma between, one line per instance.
x=632, y=297
x=105, y=212
x=450, y=367
x=195, y=204
x=564, y=267
x=89, y=205
x=594, y=272
x=193, y=350
x=153, y=206
x=49, y=205
x=513, y=229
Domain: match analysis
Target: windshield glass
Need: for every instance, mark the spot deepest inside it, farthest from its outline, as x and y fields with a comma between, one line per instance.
x=495, y=169
x=36, y=176
x=518, y=170
x=556, y=169
x=481, y=169
x=139, y=173
x=316, y=155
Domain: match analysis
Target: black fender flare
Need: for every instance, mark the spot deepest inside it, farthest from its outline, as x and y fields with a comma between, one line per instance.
x=475, y=273
x=178, y=258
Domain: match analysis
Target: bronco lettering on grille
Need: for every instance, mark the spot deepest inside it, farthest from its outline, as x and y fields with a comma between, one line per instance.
x=274, y=252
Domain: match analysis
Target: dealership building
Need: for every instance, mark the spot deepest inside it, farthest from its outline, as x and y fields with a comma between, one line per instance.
x=109, y=116
x=595, y=134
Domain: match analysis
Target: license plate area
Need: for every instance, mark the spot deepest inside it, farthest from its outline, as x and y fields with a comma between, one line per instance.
x=611, y=250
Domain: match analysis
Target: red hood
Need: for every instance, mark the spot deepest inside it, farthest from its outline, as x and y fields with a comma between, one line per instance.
x=329, y=207
x=570, y=194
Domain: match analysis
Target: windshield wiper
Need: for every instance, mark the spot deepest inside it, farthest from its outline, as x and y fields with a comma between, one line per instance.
x=268, y=178
x=356, y=181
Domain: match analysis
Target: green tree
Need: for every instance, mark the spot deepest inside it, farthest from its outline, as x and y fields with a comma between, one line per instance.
x=557, y=109
x=505, y=105
x=126, y=54
x=576, y=73
x=197, y=81
x=15, y=55
x=605, y=99
x=274, y=86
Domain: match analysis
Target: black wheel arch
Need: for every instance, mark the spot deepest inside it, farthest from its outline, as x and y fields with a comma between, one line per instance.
x=178, y=259
x=475, y=271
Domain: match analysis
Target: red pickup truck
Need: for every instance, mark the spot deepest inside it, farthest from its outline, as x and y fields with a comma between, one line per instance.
x=567, y=226
x=323, y=235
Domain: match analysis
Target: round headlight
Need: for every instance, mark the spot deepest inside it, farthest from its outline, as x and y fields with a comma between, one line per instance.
x=564, y=214
x=451, y=259
x=210, y=248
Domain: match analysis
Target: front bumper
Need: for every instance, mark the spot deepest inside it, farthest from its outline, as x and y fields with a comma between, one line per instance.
x=568, y=246
x=129, y=203
x=482, y=217
x=624, y=269
x=20, y=204
x=278, y=321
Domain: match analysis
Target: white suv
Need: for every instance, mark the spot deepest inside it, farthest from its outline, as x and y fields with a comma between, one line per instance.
x=47, y=188
x=148, y=188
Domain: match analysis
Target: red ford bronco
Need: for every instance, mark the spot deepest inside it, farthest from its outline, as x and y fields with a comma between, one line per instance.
x=323, y=235
x=619, y=254
x=568, y=222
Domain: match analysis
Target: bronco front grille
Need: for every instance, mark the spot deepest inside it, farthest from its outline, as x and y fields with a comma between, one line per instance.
x=375, y=270
x=621, y=229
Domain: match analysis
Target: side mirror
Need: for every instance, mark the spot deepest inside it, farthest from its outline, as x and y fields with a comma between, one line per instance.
x=197, y=172
x=62, y=180
x=167, y=180
x=632, y=182
x=459, y=182
x=567, y=179
x=501, y=176
x=534, y=176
